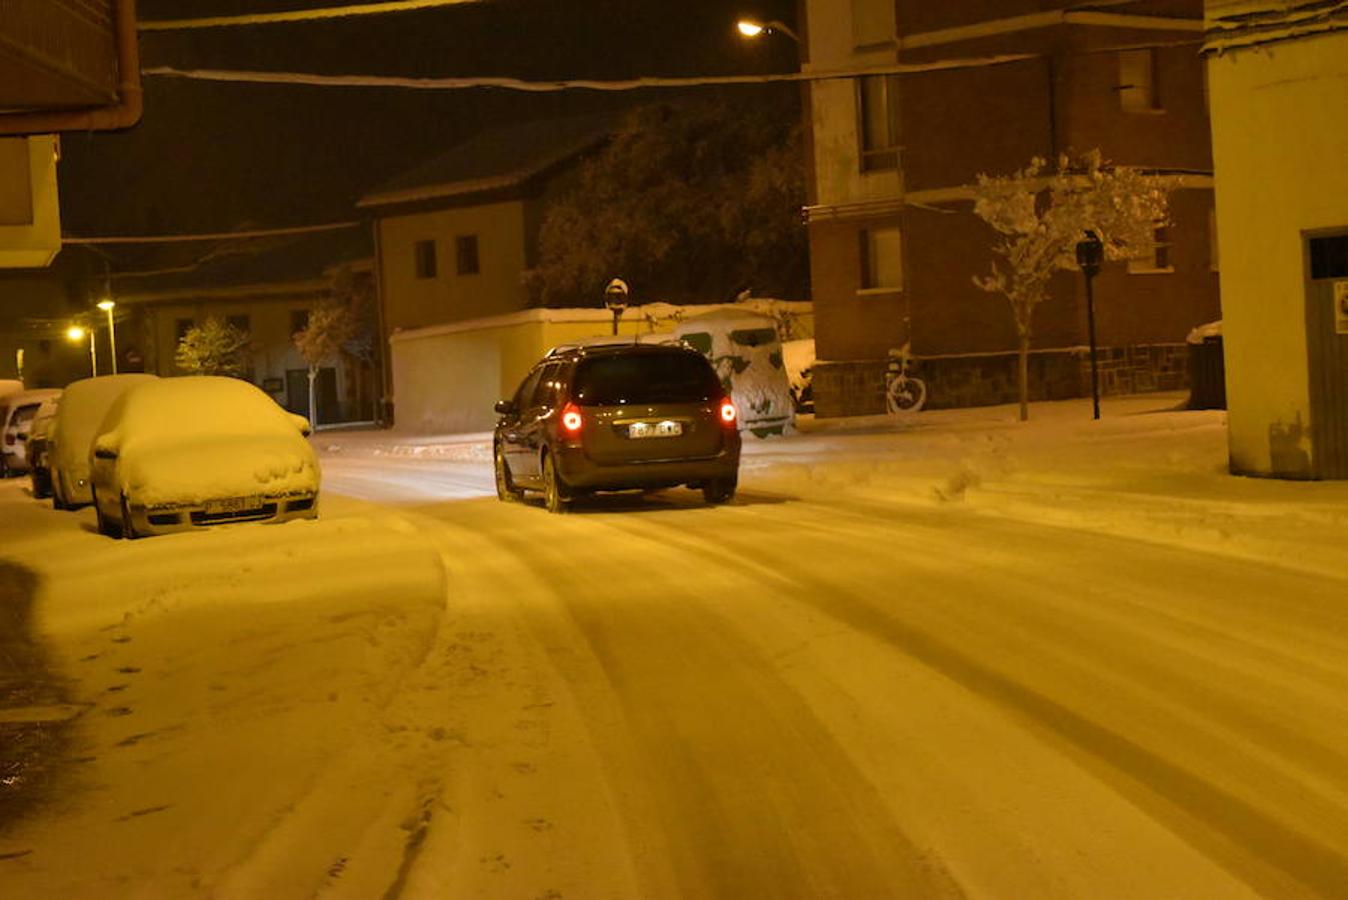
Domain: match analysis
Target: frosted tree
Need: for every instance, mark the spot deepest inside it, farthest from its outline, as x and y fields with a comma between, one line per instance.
x=330, y=327
x=1040, y=213
x=213, y=348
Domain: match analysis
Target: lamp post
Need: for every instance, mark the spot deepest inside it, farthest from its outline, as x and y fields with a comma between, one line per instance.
x=106, y=306
x=752, y=28
x=76, y=334
x=1090, y=253
x=615, y=298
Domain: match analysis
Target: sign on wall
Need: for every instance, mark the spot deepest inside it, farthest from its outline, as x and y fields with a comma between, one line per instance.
x=1341, y=307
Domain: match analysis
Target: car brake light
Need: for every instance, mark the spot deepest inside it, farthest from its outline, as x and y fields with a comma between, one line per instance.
x=571, y=420
x=727, y=412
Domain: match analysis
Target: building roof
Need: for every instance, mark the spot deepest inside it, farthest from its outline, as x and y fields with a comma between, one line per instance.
x=498, y=159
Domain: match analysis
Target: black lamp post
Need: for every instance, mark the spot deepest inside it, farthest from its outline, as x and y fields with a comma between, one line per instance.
x=1090, y=253
x=615, y=298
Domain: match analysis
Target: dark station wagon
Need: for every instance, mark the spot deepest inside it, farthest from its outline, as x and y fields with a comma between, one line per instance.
x=613, y=417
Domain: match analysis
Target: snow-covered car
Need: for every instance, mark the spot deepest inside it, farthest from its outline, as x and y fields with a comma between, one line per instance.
x=747, y=354
x=39, y=461
x=83, y=406
x=176, y=454
x=16, y=417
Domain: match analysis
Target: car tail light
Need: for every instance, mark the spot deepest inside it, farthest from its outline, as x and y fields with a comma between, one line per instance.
x=728, y=413
x=571, y=420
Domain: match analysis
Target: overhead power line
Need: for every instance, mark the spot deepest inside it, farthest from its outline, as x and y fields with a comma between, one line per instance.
x=215, y=236
x=520, y=84
x=300, y=15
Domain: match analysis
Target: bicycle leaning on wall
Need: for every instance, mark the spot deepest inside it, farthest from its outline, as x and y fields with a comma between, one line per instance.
x=904, y=393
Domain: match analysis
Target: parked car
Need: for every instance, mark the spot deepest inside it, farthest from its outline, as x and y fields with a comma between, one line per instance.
x=744, y=348
x=617, y=417
x=16, y=417
x=83, y=406
x=39, y=461
x=176, y=454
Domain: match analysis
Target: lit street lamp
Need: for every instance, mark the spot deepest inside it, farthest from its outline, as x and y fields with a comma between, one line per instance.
x=615, y=298
x=752, y=28
x=1090, y=253
x=106, y=306
x=76, y=334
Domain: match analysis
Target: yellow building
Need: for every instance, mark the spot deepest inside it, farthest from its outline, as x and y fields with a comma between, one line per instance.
x=456, y=236
x=1278, y=78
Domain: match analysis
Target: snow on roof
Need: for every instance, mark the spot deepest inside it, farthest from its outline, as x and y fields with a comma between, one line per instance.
x=83, y=406
x=167, y=409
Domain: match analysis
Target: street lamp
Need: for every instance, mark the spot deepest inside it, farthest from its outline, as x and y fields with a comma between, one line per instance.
x=752, y=28
x=615, y=298
x=1090, y=253
x=76, y=334
x=106, y=306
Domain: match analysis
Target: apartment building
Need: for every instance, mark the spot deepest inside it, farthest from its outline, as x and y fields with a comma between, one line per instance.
x=894, y=243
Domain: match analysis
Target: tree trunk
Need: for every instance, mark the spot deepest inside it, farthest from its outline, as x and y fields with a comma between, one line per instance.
x=1023, y=377
x=313, y=403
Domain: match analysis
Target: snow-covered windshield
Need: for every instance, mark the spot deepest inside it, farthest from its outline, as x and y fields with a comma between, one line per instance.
x=645, y=378
x=173, y=409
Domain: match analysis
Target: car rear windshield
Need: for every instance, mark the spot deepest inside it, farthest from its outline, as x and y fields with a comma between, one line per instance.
x=644, y=378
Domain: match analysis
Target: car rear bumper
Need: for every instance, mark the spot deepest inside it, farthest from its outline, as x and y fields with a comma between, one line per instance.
x=581, y=472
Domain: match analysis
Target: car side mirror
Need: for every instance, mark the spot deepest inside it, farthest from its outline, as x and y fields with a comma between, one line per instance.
x=504, y=407
x=301, y=423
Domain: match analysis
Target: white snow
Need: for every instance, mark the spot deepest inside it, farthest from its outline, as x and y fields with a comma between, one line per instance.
x=954, y=656
x=182, y=440
x=83, y=406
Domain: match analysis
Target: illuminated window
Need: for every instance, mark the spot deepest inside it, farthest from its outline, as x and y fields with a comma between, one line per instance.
x=425, y=259
x=465, y=249
x=1137, y=81
x=878, y=121
x=881, y=259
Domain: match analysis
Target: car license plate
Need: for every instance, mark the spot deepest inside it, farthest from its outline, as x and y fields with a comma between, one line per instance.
x=667, y=428
x=231, y=505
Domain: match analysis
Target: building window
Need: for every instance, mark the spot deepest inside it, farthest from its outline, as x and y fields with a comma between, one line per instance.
x=881, y=259
x=299, y=321
x=182, y=326
x=872, y=23
x=465, y=254
x=1158, y=261
x=239, y=323
x=425, y=259
x=878, y=121
x=1137, y=81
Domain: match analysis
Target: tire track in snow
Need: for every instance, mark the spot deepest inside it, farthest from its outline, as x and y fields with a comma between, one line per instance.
x=1264, y=836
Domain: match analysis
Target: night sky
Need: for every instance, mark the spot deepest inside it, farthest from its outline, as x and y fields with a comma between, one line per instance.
x=209, y=157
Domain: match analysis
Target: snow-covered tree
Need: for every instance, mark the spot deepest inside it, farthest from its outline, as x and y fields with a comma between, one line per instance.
x=1041, y=213
x=330, y=327
x=213, y=348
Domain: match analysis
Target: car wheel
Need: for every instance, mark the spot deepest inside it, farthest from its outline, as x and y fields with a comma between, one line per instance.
x=57, y=500
x=41, y=484
x=554, y=491
x=128, y=531
x=719, y=490
x=105, y=525
x=505, y=485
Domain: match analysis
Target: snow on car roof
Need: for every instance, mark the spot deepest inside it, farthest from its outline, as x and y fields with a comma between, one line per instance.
x=195, y=405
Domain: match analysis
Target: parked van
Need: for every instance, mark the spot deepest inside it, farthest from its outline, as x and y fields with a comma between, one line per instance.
x=747, y=354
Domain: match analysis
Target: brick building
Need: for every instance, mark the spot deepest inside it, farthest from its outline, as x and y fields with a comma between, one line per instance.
x=894, y=244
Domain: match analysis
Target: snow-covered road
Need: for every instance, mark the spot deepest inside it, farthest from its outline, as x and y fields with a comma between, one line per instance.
x=967, y=659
